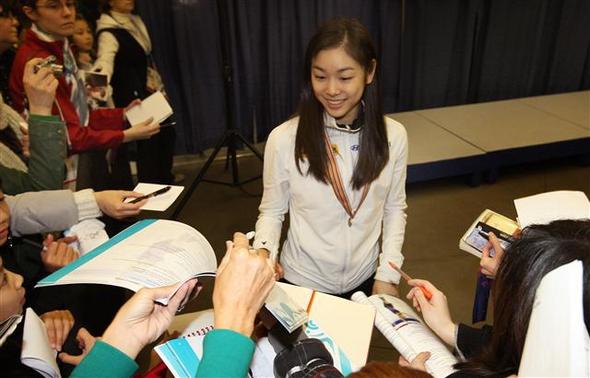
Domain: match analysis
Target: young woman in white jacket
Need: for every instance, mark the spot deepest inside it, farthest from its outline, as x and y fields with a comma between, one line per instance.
x=339, y=169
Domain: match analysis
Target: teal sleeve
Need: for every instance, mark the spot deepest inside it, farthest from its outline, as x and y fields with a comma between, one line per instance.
x=225, y=354
x=48, y=147
x=105, y=361
x=46, y=166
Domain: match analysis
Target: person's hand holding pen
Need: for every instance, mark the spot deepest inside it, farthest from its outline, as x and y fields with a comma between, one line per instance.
x=152, y=194
x=279, y=272
x=112, y=203
x=244, y=280
x=434, y=310
x=407, y=277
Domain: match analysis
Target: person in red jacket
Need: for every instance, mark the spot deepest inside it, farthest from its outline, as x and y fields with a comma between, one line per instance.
x=52, y=24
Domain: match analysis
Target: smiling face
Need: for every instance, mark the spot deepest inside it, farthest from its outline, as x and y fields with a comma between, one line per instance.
x=338, y=83
x=54, y=17
x=83, y=37
x=12, y=294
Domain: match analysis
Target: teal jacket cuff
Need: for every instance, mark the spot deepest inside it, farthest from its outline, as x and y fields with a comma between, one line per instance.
x=105, y=360
x=44, y=118
x=225, y=354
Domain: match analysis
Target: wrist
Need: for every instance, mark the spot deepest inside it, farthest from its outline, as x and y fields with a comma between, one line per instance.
x=127, y=136
x=98, y=198
x=241, y=323
x=40, y=110
x=447, y=333
x=122, y=341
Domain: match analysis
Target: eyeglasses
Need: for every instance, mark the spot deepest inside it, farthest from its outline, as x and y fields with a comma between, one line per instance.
x=56, y=6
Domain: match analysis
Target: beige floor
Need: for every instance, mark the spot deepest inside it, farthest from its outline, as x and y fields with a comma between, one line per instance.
x=438, y=214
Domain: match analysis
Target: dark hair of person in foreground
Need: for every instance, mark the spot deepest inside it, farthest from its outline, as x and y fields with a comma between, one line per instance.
x=540, y=249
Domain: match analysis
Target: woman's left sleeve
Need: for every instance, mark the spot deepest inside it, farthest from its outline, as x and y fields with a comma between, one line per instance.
x=394, y=214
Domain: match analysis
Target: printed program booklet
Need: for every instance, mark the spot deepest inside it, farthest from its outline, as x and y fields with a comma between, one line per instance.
x=404, y=329
x=150, y=253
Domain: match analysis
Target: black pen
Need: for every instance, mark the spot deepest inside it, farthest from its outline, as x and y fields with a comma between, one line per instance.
x=153, y=194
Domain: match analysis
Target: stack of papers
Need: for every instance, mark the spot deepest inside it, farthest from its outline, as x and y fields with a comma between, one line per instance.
x=546, y=207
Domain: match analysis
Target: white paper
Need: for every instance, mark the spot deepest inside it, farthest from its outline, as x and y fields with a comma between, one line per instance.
x=36, y=352
x=557, y=342
x=546, y=207
x=155, y=106
x=160, y=202
x=335, y=315
x=163, y=253
x=404, y=329
x=8, y=327
x=90, y=234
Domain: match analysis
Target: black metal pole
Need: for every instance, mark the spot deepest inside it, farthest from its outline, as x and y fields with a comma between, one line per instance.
x=231, y=137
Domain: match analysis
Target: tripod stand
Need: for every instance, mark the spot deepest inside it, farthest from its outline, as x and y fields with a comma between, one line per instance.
x=232, y=137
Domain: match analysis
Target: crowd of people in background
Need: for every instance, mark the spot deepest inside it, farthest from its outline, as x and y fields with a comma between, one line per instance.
x=338, y=167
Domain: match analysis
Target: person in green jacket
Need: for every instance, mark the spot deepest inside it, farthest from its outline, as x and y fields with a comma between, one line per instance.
x=33, y=153
x=244, y=279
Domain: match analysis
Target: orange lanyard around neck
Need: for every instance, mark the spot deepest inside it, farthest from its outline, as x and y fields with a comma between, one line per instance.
x=336, y=182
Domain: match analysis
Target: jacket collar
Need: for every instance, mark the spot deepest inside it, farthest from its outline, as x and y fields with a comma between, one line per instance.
x=330, y=122
x=41, y=41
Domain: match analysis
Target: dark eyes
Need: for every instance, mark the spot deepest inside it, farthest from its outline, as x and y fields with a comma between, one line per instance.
x=319, y=77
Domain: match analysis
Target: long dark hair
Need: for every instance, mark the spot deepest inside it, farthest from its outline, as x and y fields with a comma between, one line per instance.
x=309, y=143
x=541, y=249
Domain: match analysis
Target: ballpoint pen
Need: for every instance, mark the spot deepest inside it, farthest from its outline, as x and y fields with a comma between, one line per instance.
x=153, y=194
x=406, y=277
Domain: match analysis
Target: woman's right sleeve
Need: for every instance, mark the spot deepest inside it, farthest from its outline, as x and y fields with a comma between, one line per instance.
x=107, y=49
x=470, y=340
x=275, y=197
x=225, y=354
x=105, y=360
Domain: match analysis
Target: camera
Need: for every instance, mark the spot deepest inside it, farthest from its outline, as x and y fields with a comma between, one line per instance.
x=49, y=62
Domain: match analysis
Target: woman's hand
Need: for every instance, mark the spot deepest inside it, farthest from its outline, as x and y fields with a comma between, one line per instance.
x=85, y=342
x=489, y=261
x=112, y=203
x=142, y=130
x=279, y=272
x=244, y=280
x=40, y=88
x=132, y=104
x=418, y=363
x=58, y=324
x=382, y=287
x=141, y=320
x=57, y=254
x=435, y=311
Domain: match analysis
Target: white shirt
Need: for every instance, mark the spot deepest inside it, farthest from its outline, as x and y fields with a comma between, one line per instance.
x=322, y=251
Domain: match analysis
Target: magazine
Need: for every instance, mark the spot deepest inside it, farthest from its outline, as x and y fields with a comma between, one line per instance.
x=405, y=330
